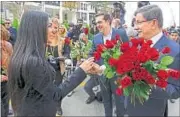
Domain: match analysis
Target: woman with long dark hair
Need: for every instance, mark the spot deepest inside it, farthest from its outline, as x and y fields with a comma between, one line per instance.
x=31, y=87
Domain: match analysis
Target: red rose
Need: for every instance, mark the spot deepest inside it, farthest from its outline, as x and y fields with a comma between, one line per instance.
x=161, y=83
x=141, y=41
x=154, y=54
x=86, y=31
x=143, y=58
x=124, y=47
x=149, y=42
x=113, y=62
x=67, y=40
x=162, y=74
x=126, y=81
x=119, y=91
x=174, y=74
x=117, y=37
x=166, y=50
x=101, y=48
x=97, y=56
x=109, y=44
x=114, y=41
x=135, y=42
x=150, y=80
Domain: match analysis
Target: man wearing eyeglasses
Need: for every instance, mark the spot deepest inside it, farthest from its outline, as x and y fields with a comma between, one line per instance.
x=149, y=23
x=12, y=31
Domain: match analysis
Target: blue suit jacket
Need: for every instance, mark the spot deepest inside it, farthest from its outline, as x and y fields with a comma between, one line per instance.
x=98, y=39
x=157, y=102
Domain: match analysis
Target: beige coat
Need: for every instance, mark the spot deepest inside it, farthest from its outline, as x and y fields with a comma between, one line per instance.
x=60, y=50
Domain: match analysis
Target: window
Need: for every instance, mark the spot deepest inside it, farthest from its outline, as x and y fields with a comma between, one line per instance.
x=84, y=16
x=81, y=6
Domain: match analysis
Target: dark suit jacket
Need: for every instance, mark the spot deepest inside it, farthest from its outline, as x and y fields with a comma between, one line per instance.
x=157, y=102
x=39, y=96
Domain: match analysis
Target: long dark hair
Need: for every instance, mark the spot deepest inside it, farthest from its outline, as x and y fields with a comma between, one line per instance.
x=29, y=49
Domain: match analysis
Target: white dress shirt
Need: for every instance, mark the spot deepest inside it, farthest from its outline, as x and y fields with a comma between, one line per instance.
x=108, y=37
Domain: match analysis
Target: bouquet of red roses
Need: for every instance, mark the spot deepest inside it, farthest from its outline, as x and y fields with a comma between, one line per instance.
x=109, y=51
x=139, y=68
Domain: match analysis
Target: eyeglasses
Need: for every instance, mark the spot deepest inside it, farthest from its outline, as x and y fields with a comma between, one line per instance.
x=140, y=22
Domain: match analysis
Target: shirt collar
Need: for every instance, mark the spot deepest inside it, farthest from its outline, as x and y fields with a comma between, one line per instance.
x=110, y=34
x=156, y=38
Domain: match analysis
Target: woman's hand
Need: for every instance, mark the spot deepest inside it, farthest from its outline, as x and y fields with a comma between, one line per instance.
x=87, y=64
x=4, y=78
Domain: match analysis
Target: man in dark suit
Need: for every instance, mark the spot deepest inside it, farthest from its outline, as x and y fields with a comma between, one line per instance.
x=108, y=87
x=149, y=23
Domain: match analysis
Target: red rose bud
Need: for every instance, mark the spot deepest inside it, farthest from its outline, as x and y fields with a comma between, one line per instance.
x=161, y=83
x=114, y=41
x=113, y=62
x=119, y=91
x=97, y=56
x=174, y=74
x=162, y=74
x=86, y=31
x=101, y=48
x=109, y=44
x=126, y=81
x=166, y=50
x=154, y=54
x=124, y=47
x=117, y=37
x=149, y=42
x=67, y=40
x=135, y=42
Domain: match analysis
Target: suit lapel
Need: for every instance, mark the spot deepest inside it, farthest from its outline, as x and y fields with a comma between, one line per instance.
x=113, y=34
x=161, y=43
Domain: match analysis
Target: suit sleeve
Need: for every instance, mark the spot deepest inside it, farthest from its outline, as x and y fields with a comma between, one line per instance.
x=43, y=83
x=123, y=35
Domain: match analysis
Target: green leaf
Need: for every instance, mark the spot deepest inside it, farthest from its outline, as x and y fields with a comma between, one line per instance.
x=109, y=74
x=161, y=66
x=149, y=65
x=167, y=60
x=116, y=54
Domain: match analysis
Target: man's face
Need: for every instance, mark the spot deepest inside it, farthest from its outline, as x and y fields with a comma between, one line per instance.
x=144, y=27
x=7, y=24
x=101, y=23
x=114, y=24
x=52, y=31
x=174, y=36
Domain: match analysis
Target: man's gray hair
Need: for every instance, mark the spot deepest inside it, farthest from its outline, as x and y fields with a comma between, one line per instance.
x=151, y=12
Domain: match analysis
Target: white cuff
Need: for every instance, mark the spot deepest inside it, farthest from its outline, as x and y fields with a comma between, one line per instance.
x=102, y=67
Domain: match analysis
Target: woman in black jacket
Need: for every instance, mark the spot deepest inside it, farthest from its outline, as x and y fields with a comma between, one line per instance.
x=31, y=77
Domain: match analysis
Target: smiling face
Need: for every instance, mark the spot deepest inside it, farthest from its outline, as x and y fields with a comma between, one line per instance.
x=101, y=23
x=144, y=28
x=52, y=31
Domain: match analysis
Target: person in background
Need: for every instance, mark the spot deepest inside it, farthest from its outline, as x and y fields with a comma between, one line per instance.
x=6, y=52
x=174, y=35
x=57, y=48
x=12, y=30
x=106, y=32
x=131, y=33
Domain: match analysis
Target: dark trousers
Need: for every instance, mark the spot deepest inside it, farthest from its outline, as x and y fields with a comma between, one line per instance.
x=92, y=82
x=4, y=99
x=108, y=88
